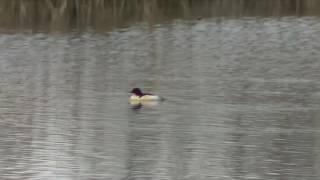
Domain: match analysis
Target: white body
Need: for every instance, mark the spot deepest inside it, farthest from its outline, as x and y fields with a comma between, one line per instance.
x=145, y=98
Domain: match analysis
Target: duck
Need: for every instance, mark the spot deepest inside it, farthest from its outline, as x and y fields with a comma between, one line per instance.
x=139, y=96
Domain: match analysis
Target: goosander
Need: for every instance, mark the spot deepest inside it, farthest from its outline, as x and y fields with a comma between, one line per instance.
x=138, y=95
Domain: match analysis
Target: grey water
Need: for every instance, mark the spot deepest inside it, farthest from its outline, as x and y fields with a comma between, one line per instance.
x=242, y=100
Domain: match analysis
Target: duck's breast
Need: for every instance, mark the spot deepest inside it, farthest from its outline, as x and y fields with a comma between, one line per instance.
x=134, y=98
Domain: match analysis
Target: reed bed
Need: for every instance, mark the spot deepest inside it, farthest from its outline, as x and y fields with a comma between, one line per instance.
x=107, y=14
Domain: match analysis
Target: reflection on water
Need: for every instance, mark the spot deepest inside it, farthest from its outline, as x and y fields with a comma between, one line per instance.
x=139, y=105
x=242, y=100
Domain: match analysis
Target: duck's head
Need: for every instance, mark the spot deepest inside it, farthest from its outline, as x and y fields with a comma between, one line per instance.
x=136, y=91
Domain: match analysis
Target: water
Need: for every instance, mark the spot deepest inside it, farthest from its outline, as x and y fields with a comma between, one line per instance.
x=243, y=98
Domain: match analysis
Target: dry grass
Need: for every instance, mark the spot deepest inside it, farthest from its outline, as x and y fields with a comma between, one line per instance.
x=106, y=14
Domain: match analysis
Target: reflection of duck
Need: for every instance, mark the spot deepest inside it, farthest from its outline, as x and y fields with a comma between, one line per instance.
x=138, y=96
x=139, y=104
x=136, y=106
x=144, y=103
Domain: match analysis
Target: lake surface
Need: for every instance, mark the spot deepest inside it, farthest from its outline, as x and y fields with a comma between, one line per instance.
x=242, y=99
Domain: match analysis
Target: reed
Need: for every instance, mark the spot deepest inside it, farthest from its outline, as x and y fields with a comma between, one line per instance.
x=107, y=14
